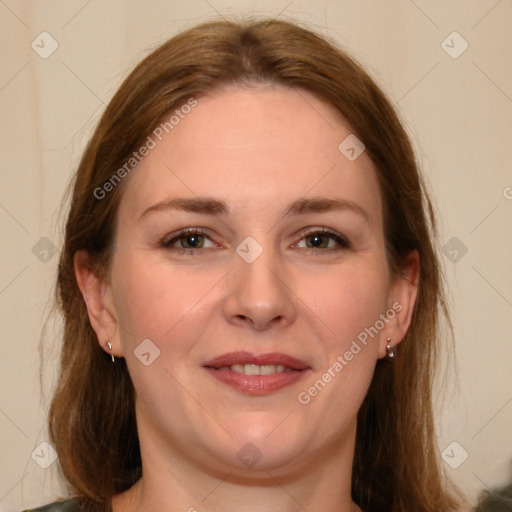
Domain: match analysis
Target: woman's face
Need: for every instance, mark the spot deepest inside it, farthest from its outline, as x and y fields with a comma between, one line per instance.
x=287, y=277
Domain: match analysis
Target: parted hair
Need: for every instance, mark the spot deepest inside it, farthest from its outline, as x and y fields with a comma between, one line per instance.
x=92, y=417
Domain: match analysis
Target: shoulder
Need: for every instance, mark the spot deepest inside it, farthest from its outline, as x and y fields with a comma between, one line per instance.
x=59, y=506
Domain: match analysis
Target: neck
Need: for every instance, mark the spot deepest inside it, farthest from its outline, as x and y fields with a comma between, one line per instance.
x=174, y=483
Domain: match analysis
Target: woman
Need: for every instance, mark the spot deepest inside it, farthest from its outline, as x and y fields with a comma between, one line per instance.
x=249, y=288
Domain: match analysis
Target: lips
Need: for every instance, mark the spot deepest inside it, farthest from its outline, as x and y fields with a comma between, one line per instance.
x=256, y=374
x=258, y=359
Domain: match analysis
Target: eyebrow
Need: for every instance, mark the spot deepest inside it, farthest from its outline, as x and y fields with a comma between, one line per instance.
x=210, y=206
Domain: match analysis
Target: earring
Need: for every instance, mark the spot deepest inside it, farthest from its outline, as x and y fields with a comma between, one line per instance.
x=109, y=345
x=390, y=350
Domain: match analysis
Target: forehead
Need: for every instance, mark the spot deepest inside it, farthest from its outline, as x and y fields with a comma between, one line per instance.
x=256, y=147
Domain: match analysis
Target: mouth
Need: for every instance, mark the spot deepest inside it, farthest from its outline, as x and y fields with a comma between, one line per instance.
x=256, y=374
x=255, y=369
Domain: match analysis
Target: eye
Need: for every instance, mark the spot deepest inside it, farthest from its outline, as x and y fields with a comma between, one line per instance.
x=190, y=240
x=187, y=240
x=322, y=238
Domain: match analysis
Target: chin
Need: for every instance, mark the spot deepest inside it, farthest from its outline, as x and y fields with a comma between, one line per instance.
x=264, y=445
x=259, y=456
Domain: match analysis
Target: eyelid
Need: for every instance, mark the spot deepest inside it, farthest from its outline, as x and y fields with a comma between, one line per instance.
x=169, y=239
x=341, y=240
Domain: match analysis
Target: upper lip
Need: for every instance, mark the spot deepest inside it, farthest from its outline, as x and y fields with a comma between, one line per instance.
x=259, y=359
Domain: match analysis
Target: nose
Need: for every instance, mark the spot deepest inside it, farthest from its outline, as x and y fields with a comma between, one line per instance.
x=259, y=294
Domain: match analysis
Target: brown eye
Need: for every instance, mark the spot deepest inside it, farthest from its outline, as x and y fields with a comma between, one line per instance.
x=193, y=241
x=318, y=241
x=187, y=241
x=324, y=239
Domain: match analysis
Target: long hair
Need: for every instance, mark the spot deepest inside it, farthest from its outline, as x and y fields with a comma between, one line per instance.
x=92, y=417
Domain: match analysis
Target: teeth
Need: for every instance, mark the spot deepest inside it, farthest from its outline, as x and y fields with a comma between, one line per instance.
x=268, y=369
x=254, y=369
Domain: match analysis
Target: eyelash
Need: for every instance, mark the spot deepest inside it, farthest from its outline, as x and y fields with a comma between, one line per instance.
x=339, y=239
x=167, y=244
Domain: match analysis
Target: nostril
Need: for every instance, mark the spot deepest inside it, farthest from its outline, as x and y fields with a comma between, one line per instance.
x=278, y=318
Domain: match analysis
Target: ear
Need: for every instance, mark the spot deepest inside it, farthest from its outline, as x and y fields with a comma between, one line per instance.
x=402, y=299
x=100, y=306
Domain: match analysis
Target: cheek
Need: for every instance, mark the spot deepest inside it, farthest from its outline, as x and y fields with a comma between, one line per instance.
x=348, y=300
x=154, y=297
x=337, y=389
x=349, y=305
x=161, y=303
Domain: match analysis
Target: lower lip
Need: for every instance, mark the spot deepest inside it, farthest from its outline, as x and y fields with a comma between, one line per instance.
x=257, y=384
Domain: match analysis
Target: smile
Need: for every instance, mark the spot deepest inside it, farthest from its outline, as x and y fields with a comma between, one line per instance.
x=255, y=369
x=256, y=374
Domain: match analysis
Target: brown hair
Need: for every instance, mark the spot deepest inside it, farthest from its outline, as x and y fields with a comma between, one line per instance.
x=91, y=419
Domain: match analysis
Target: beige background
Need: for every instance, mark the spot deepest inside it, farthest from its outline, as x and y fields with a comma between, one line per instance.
x=457, y=110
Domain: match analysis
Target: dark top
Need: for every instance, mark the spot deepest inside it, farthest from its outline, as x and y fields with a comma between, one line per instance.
x=59, y=506
x=496, y=500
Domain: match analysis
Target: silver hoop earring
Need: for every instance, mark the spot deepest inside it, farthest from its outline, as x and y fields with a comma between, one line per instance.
x=109, y=345
x=390, y=350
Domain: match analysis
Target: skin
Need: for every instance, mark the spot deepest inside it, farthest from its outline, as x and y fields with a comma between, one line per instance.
x=258, y=149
